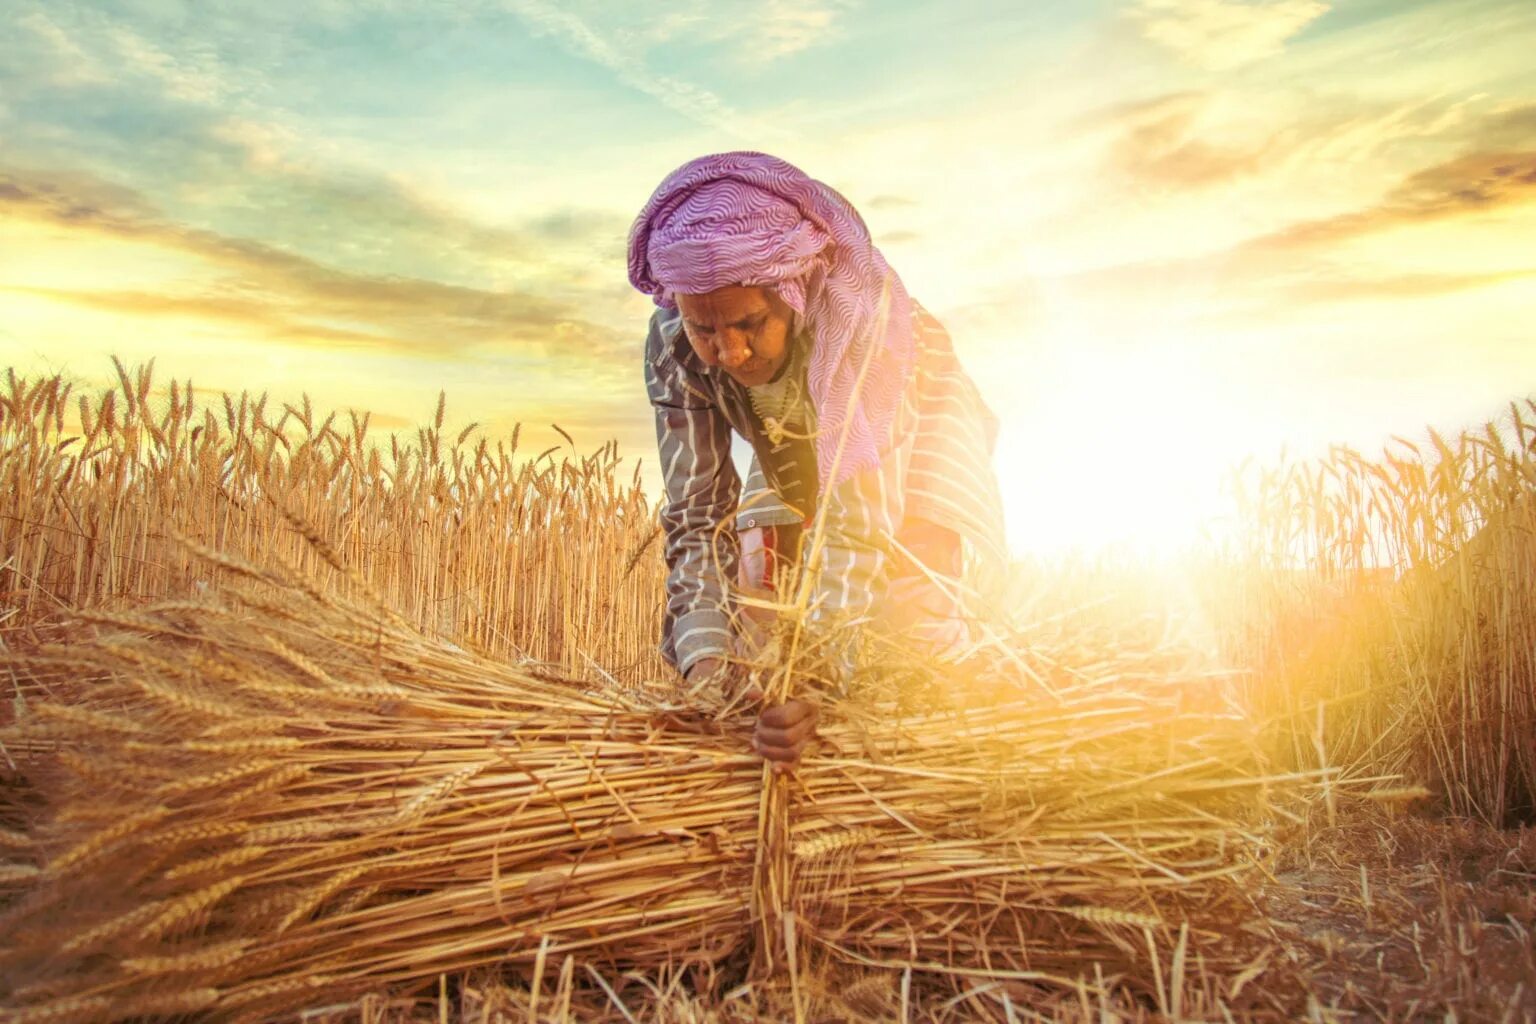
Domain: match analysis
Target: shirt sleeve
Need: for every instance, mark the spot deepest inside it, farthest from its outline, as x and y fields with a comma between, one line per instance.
x=702, y=488
x=760, y=504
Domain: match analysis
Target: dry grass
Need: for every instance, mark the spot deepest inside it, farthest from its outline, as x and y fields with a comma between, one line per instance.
x=1388, y=608
x=1390, y=917
x=301, y=792
x=308, y=721
x=543, y=557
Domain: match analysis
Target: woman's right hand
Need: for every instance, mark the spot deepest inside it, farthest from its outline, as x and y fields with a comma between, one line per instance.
x=782, y=731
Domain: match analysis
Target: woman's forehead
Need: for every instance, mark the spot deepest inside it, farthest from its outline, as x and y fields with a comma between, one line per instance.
x=730, y=302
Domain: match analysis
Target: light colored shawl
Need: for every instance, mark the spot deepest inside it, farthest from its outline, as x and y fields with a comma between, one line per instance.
x=752, y=219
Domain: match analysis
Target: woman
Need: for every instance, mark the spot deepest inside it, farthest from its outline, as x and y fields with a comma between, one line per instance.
x=780, y=320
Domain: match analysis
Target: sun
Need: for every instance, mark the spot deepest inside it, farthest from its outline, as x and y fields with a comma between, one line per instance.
x=1116, y=446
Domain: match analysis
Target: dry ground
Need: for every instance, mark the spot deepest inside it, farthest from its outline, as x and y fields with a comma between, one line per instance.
x=1410, y=920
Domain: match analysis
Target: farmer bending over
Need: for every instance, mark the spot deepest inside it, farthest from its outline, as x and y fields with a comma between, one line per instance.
x=773, y=302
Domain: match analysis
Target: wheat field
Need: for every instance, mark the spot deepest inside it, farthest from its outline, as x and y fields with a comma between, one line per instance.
x=306, y=722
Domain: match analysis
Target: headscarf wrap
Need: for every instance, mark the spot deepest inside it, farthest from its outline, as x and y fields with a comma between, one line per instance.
x=752, y=219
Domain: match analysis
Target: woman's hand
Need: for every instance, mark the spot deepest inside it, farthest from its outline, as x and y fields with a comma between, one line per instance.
x=707, y=669
x=782, y=731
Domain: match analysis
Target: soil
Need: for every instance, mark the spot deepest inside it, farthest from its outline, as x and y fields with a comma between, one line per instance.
x=1408, y=919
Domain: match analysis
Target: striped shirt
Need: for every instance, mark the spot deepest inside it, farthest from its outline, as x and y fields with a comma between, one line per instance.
x=935, y=467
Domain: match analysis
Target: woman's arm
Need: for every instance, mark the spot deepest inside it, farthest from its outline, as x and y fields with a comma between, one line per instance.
x=702, y=487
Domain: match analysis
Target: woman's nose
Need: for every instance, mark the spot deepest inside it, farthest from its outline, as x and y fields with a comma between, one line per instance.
x=732, y=350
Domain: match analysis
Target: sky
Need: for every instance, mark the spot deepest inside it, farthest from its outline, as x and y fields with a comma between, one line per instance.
x=1165, y=235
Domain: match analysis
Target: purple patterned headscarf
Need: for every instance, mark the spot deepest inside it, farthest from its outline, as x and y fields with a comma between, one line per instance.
x=752, y=219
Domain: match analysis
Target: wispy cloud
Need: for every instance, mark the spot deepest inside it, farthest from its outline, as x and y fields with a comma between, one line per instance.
x=374, y=218
x=1342, y=287
x=261, y=180
x=1267, y=163
x=1472, y=184
x=71, y=64
x=1219, y=35
x=87, y=47
x=1163, y=142
x=299, y=300
x=759, y=34
x=1347, y=131
x=191, y=73
x=1511, y=127
x=1294, y=269
x=629, y=67
x=1194, y=139
x=262, y=316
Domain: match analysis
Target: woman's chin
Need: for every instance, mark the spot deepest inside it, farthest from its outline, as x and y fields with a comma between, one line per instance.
x=751, y=377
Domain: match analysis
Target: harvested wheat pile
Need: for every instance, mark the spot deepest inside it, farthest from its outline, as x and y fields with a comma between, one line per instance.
x=276, y=796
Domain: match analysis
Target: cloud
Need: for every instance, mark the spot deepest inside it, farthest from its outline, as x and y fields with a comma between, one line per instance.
x=760, y=34
x=300, y=300
x=188, y=112
x=265, y=145
x=1341, y=287
x=1280, y=272
x=260, y=178
x=1343, y=132
x=72, y=65
x=192, y=73
x=568, y=224
x=1509, y=128
x=1196, y=139
x=627, y=65
x=788, y=27
x=1219, y=35
x=1471, y=184
x=1160, y=143
x=87, y=47
x=259, y=315
x=254, y=179
x=70, y=197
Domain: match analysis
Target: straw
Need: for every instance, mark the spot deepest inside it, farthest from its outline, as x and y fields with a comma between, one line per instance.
x=278, y=807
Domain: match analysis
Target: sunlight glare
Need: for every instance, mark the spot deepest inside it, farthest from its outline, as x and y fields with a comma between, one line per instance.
x=1119, y=446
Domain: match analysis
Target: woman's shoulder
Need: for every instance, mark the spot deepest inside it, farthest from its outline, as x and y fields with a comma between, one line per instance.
x=666, y=344
x=664, y=332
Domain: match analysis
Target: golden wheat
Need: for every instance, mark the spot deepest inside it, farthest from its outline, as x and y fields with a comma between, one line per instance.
x=490, y=814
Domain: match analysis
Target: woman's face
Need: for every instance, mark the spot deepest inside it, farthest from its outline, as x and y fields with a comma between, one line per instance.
x=743, y=330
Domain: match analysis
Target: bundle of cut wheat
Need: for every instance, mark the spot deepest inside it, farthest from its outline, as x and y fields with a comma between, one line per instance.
x=274, y=795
